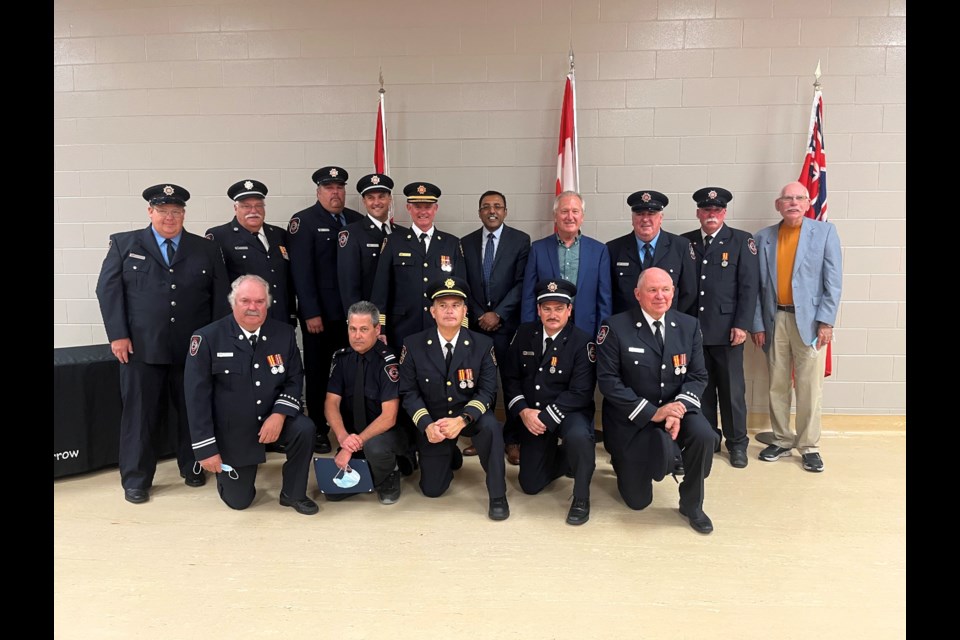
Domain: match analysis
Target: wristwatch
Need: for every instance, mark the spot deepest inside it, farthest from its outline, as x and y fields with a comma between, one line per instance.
x=466, y=418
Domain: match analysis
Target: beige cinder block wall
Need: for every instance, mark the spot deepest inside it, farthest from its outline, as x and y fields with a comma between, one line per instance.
x=672, y=95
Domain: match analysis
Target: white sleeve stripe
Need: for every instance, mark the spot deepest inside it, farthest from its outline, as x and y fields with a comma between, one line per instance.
x=204, y=443
x=288, y=403
x=515, y=401
x=689, y=398
x=639, y=408
x=553, y=414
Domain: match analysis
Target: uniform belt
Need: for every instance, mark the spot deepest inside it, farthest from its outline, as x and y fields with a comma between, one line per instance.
x=789, y=308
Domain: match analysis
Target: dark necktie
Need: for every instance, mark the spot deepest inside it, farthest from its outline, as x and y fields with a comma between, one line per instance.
x=171, y=250
x=449, y=357
x=659, y=334
x=647, y=256
x=546, y=346
x=253, y=340
x=340, y=220
x=423, y=241
x=488, y=265
x=706, y=242
x=359, y=401
x=383, y=230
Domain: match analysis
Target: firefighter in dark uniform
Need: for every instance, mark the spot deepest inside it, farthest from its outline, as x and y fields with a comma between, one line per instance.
x=243, y=380
x=651, y=374
x=156, y=286
x=363, y=400
x=360, y=243
x=250, y=245
x=629, y=254
x=549, y=379
x=312, y=237
x=728, y=272
x=409, y=262
x=448, y=380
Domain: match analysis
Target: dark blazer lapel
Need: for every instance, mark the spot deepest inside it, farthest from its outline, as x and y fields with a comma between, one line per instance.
x=150, y=246
x=645, y=331
x=434, y=347
x=586, y=258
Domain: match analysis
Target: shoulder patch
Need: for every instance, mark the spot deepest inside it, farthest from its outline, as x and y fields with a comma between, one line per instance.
x=342, y=238
x=591, y=352
x=493, y=356
x=393, y=372
x=403, y=354
x=294, y=225
x=752, y=246
x=209, y=236
x=195, y=341
x=693, y=255
x=602, y=334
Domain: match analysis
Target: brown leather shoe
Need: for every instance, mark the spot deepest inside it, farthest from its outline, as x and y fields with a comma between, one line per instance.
x=513, y=454
x=470, y=451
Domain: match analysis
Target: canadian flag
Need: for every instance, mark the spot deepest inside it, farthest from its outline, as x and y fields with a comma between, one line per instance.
x=568, y=172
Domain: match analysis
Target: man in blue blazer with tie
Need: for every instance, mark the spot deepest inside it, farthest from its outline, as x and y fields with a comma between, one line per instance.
x=800, y=281
x=496, y=257
x=570, y=255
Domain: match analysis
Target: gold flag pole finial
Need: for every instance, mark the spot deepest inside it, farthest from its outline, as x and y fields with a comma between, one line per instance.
x=816, y=75
x=381, y=79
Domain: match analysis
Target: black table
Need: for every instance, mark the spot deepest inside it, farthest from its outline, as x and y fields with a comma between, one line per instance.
x=86, y=411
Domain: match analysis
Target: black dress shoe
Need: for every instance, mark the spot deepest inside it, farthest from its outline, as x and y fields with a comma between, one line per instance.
x=738, y=458
x=322, y=445
x=456, y=460
x=136, y=496
x=699, y=521
x=389, y=490
x=304, y=505
x=579, y=511
x=337, y=497
x=194, y=479
x=499, y=509
x=678, y=469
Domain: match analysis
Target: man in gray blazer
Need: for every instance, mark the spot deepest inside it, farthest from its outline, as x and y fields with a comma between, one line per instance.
x=800, y=282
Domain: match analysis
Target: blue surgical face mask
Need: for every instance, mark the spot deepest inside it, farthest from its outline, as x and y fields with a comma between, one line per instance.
x=346, y=478
x=231, y=473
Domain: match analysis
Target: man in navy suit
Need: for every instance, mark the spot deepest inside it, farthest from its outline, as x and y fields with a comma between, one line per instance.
x=250, y=245
x=651, y=373
x=800, y=281
x=495, y=257
x=157, y=285
x=650, y=246
x=729, y=279
x=570, y=255
x=313, y=235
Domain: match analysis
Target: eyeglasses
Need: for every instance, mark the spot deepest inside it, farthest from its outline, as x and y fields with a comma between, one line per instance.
x=794, y=198
x=494, y=207
x=170, y=213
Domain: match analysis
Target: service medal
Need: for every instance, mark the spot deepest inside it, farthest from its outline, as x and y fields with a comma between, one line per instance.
x=724, y=260
x=446, y=264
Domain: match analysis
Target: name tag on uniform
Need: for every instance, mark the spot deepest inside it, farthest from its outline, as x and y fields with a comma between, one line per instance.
x=224, y=354
x=405, y=255
x=623, y=264
x=529, y=353
x=137, y=256
x=324, y=229
x=243, y=248
x=635, y=350
x=374, y=245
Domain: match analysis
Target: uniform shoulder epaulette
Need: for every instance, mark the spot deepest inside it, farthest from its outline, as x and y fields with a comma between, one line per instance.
x=386, y=353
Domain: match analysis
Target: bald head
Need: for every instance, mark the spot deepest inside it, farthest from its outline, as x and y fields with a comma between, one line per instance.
x=654, y=292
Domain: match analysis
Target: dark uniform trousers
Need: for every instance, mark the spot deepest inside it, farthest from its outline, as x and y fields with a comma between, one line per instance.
x=560, y=385
x=429, y=392
x=359, y=245
x=403, y=275
x=231, y=388
x=636, y=378
x=157, y=306
x=244, y=253
x=313, y=241
x=381, y=384
x=729, y=283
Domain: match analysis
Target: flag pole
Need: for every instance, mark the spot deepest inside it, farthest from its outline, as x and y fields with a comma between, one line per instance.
x=573, y=90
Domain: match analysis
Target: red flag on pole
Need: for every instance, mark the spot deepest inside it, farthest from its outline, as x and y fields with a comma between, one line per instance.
x=814, y=177
x=568, y=172
x=381, y=162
